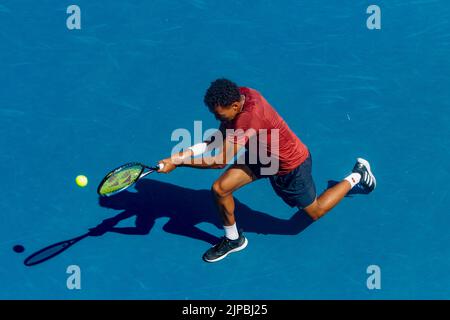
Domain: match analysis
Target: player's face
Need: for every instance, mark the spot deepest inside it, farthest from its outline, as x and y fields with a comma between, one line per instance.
x=227, y=113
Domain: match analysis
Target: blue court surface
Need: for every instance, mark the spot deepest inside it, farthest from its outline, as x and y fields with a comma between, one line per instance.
x=84, y=101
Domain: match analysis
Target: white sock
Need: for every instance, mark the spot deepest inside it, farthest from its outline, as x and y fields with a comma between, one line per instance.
x=231, y=232
x=354, y=179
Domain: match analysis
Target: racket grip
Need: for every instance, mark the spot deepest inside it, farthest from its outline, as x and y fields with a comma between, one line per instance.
x=160, y=166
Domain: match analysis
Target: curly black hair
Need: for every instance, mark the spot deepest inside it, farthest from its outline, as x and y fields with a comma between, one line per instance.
x=222, y=92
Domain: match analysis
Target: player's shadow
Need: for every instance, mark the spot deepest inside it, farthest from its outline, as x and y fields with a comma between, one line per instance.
x=186, y=209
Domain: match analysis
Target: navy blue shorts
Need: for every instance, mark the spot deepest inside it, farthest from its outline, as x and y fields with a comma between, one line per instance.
x=296, y=188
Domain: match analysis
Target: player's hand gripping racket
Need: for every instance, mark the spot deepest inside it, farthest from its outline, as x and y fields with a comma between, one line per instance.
x=124, y=177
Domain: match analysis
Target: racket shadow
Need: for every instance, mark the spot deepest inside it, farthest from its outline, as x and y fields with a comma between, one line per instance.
x=187, y=208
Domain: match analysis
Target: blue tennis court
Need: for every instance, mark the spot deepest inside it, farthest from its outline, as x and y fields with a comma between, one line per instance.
x=84, y=101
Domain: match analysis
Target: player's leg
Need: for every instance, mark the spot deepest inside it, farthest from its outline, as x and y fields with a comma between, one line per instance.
x=234, y=178
x=231, y=180
x=327, y=200
x=361, y=173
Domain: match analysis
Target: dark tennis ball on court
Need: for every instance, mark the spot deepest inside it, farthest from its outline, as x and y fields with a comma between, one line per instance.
x=18, y=248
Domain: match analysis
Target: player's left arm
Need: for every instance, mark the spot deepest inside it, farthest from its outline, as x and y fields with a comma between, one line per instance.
x=226, y=152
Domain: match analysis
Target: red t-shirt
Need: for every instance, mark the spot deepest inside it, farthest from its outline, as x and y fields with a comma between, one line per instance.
x=259, y=115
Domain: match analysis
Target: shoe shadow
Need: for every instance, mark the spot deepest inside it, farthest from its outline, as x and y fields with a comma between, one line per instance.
x=186, y=208
x=355, y=190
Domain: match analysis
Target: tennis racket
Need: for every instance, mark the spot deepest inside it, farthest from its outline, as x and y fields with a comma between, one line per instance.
x=124, y=177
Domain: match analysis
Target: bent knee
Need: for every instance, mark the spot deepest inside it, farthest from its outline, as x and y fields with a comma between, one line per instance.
x=315, y=211
x=219, y=190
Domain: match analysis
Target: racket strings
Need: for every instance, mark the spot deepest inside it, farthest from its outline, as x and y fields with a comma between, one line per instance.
x=121, y=179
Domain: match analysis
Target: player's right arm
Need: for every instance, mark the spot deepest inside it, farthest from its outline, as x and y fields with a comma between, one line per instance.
x=226, y=152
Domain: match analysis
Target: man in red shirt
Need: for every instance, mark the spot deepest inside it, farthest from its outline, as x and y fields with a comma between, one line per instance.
x=272, y=151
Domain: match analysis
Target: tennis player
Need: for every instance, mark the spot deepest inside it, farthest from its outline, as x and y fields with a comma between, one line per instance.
x=244, y=116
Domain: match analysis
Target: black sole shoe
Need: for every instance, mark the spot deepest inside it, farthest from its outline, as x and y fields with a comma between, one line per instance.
x=224, y=248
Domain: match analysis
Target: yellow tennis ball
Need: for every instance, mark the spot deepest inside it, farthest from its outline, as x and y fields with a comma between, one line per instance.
x=81, y=181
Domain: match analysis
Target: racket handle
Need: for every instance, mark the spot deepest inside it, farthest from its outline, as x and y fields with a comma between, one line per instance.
x=160, y=166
